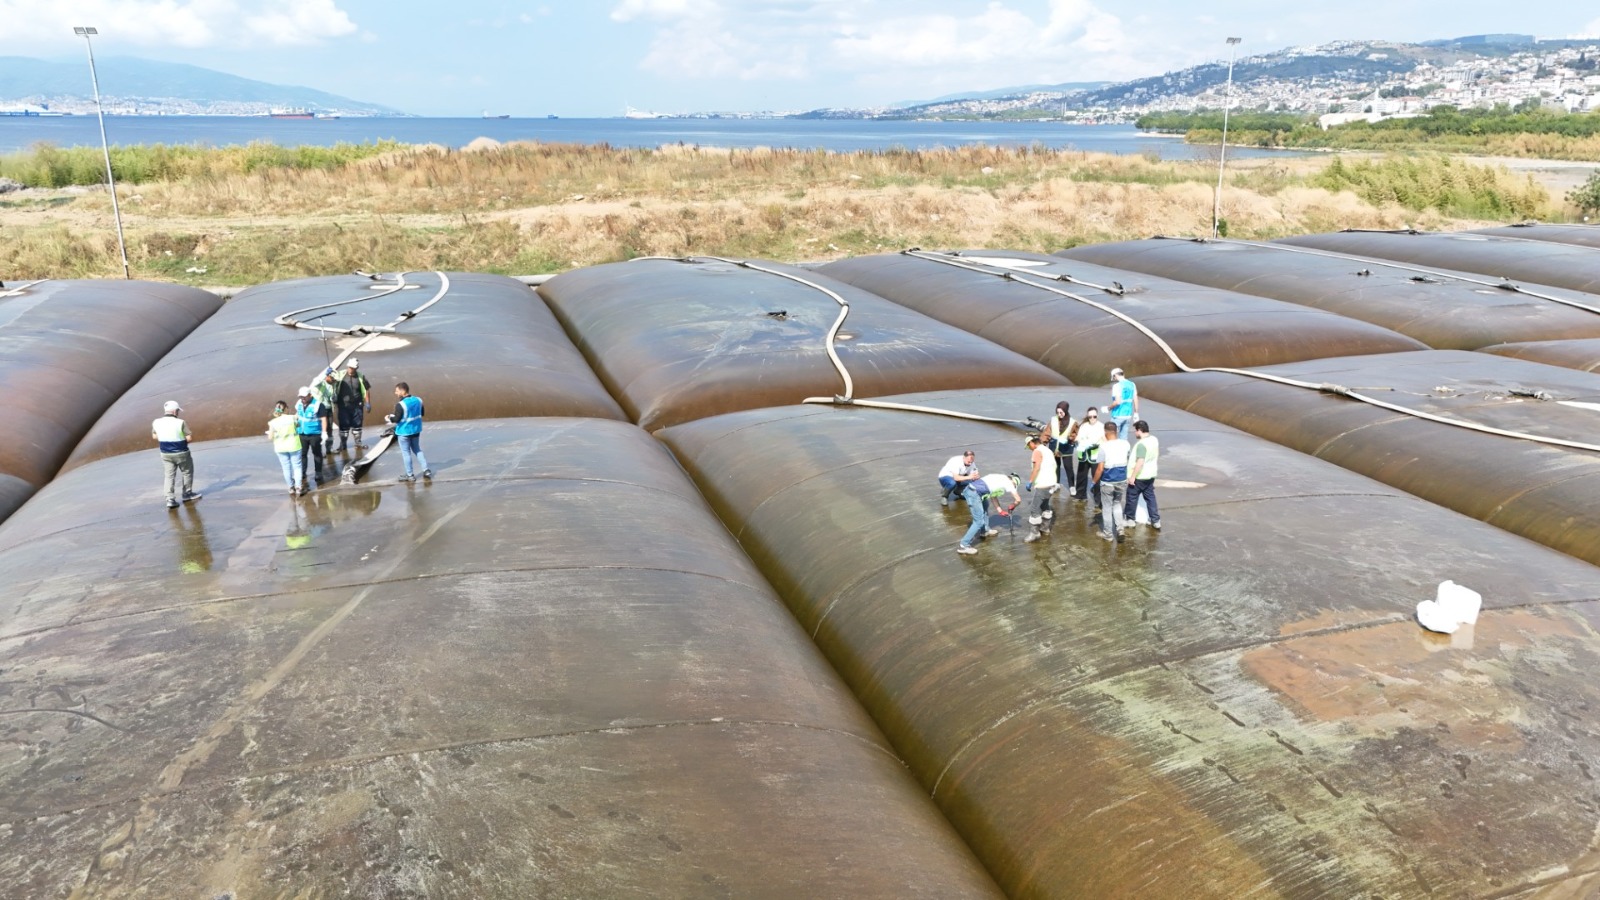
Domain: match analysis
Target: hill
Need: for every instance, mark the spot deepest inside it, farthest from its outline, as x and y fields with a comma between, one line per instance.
x=141, y=86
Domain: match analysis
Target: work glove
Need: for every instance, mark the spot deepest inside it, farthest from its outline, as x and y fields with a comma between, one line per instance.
x=389, y=418
x=1030, y=487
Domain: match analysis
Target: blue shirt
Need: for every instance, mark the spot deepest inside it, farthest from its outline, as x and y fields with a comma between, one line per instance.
x=410, y=421
x=308, y=417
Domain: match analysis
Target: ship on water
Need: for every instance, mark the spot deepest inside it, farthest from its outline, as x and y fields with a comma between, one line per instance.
x=295, y=113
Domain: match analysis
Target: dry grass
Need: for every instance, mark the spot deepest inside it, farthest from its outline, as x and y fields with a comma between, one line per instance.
x=530, y=208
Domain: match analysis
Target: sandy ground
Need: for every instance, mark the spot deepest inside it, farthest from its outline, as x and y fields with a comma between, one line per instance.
x=1558, y=176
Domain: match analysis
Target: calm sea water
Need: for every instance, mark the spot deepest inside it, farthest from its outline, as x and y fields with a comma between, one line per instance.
x=19, y=133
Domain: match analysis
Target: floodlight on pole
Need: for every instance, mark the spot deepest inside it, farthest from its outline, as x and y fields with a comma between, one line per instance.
x=1222, y=156
x=105, y=148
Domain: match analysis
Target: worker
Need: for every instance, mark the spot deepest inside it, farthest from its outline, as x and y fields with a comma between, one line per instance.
x=327, y=388
x=957, y=471
x=407, y=420
x=1111, y=473
x=172, y=437
x=1124, y=403
x=308, y=424
x=283, y=429
x=352, y=399
x=978, y=493
x=1088, y=447
x=1042, y=482
x=1063, y=438
x=1142, y=477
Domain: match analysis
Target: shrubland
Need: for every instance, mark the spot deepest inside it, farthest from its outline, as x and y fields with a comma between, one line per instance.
x=260, y=213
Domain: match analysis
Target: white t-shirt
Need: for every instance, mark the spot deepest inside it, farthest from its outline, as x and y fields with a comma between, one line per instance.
x=1047, y=467
x=955, y=468
x=1114, y=454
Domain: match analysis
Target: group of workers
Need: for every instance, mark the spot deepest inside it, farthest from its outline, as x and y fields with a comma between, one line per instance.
x=1085, y=457
x=303, y=436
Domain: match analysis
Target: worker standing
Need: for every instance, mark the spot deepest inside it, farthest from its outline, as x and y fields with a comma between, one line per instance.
x=978, y=493
x=1063, y=438
x=1090, y=434
x=327, y=388
x=283, y=428
x=308, y=424
x=353, y=400
x=1142, y=477
x=407, y=419
x=1042, y=482
x=1124, y=402
x=1112, y=475
x=957, y=471
x=172, y=438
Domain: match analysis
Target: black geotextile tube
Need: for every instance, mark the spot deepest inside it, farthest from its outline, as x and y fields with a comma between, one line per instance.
x=1541, y=262
x=1542, y=492
x=677, y=341
x=548, y=672
x=1579, y=235
x=1579, y=353
x=488, y=348
x=1206, y=326
x=1239, y=704
x=68, y=349
x=1445, y=310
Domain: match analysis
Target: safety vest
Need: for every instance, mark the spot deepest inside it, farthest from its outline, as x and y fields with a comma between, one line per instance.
x=308, y=416
x=412, y=423
x=172, y=433
x=284, y=437
x=1122, y=394
x=1150, y=449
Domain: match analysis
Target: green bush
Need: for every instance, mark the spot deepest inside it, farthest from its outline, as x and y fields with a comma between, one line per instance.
x=48, y=166
x=1451, y=187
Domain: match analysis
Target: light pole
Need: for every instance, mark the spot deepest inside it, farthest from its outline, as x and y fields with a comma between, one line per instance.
x=1222, y=157
x=105, y=148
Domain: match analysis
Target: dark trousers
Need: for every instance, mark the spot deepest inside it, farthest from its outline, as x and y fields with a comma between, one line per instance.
x=311, y=444
x=1086, y=483
x=1146, y=488
x=1066, y=466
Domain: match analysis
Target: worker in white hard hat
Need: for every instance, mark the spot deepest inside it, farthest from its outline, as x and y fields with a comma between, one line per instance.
x=353, y=400
x=172, y=437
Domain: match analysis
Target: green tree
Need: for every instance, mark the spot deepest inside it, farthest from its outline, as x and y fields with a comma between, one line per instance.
x=1587, y=196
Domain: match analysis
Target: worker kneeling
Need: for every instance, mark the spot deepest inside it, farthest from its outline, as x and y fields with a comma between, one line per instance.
x=1042, y=481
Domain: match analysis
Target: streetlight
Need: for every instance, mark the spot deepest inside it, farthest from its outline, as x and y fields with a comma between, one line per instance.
x=1222, y=157
x=105, y=148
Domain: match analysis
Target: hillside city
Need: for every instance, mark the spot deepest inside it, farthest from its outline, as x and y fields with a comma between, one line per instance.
x=1346, y=80
x=1337, y=82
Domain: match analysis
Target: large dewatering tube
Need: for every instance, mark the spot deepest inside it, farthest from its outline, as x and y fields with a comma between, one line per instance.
x=367, y=332
x=951, y=259
x=848, y=397
x=1423, y=273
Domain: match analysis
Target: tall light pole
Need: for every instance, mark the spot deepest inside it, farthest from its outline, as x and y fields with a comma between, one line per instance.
x=105, y=148
x=1222, y=157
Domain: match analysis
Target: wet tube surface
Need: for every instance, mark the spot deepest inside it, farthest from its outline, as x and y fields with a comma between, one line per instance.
x=487, y=347
x=1013, y=299
x=1241, y=704
x=68, y=349
x=681, y=340
x=547, y=672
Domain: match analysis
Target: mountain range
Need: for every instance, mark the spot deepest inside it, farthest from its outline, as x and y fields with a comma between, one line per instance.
x=133, y=85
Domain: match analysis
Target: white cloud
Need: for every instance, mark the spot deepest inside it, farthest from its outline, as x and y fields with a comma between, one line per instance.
x=885, y=42
x=300, y=22
x=175, y=23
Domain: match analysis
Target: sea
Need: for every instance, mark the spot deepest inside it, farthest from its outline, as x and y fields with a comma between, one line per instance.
x=19, y=133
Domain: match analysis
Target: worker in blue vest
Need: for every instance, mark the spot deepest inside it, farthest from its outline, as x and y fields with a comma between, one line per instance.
x=308, y=424
x=171, y=434
x=407, y=420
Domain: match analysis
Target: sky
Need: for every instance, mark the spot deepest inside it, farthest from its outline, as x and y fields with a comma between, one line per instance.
x=597, y=57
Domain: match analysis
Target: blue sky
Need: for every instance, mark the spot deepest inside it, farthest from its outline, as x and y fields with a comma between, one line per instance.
x=593, y=57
